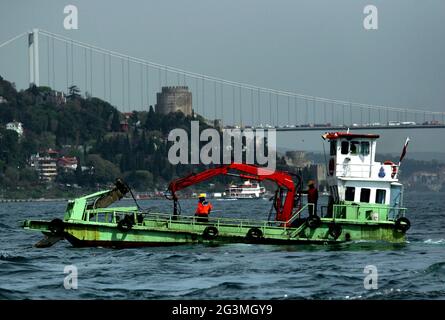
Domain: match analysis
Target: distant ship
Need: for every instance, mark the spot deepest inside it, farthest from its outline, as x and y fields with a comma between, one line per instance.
x=247, y=190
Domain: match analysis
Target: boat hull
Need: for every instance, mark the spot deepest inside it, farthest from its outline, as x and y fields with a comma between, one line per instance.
x=170, y=232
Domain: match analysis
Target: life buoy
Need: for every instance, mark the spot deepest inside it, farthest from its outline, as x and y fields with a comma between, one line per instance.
x=313, y=221
x=56, y=227
x=210, y=233
x=335, y=230
x=402, y=224
x=254, y=234
x=125, y=224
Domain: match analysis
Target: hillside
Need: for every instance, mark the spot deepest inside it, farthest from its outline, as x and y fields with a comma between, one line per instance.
x=89, y=130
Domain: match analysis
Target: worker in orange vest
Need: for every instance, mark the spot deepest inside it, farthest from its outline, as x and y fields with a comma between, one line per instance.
x=203, y=209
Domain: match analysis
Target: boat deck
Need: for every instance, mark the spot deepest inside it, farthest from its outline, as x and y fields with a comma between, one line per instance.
x=101, y=227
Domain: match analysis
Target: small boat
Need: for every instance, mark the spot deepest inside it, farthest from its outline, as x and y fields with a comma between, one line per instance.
x=365, y=203
x=246, y=190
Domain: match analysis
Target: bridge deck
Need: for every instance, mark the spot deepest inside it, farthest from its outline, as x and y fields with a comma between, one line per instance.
x=336, y=128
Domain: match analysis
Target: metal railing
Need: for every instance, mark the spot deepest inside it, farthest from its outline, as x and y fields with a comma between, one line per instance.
x=108, y=213
x=363, y=169
x=110, y=216
x=299, y=212
x=373, y=212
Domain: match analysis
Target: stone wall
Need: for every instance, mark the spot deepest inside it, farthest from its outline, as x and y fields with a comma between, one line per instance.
x=173, y=99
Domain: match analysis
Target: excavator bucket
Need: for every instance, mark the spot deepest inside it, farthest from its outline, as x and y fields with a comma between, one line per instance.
x=117, y=193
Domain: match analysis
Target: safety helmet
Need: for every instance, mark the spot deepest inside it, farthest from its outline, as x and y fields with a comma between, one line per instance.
x=202, y=195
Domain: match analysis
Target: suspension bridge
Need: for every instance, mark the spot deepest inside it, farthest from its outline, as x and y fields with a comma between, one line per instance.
x=131, y=84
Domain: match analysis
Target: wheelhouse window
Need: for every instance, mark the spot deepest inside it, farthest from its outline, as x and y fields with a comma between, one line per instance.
x=364, y=148
x=344, y=147
x=380, y=196
x=365, y=195
x=355, y=147
x=333, y=147
x=350, y=194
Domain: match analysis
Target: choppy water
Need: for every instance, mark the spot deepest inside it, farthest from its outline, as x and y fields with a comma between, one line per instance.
x=415, y=270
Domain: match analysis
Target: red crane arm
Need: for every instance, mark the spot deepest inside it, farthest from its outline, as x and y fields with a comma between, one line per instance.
x=282, y=179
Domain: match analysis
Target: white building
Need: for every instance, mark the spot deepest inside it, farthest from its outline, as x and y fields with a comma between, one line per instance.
x=45, y=164
x=15, y=126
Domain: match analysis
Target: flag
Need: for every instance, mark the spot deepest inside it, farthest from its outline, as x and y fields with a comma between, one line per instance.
x=404, y=150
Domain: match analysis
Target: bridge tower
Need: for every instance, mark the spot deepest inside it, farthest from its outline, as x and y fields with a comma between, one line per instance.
x=33, y=55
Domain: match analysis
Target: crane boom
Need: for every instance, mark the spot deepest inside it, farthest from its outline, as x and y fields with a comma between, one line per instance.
x=282, y=179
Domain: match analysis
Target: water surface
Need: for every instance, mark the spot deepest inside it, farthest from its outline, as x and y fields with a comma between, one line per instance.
x=415, y=270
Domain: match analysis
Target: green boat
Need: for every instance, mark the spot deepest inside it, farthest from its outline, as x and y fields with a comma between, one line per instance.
x=365, y=203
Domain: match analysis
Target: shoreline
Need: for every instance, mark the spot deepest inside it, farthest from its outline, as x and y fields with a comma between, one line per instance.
x=11, y=200
x=34, y=200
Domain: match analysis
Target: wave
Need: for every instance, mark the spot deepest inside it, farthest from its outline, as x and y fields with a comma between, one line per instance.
x=6, y=256
x=7, y=294
x=5, y=226
x=431, y=241
x=224, y=289
x=436, y=268
x=175, y=257
x=403, y=294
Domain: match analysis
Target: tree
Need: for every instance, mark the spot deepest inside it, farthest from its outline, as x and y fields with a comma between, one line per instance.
x=11, y=176
x=29, y=175
x=139, y=179
x=104, y=170
x=73, y=92
x=116, y=122
x=9, y=146
x=152, y=122
x=134, y=118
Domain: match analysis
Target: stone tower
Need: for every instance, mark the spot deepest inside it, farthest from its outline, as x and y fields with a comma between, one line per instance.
x=173, y=99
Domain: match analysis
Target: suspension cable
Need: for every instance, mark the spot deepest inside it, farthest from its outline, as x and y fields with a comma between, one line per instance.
x=13, y=39
x=190, y=74
x=229, y=82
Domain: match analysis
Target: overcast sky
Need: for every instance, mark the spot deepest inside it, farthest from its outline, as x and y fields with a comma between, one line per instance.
x=312, y=47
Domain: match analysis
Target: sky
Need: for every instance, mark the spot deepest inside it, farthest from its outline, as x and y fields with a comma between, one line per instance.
x=313, y=47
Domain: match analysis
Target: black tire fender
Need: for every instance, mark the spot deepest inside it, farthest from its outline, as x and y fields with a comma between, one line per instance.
x=254, y=234
x=402, y=224
x=210, y=233
x=125, y=224
x=335, y=230
x=56, y=227
x=313, y=221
